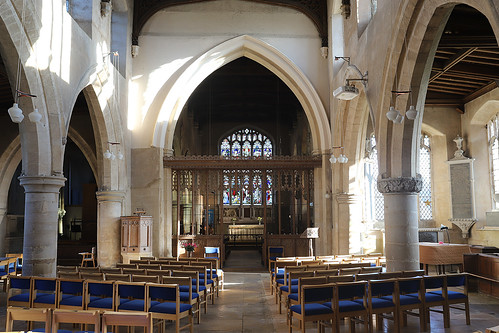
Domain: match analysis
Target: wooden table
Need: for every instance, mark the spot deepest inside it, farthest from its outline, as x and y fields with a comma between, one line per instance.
x=442, y=254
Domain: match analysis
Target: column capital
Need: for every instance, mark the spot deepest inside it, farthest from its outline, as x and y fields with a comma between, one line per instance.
x=400, y=185
x=168, y=152
x=42, y=184
x=114, y=196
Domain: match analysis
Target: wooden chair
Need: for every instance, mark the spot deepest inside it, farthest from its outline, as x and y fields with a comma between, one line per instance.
x=410, y=297
x=291, y=286
x=435, y=296
x=279, y=272
x=366, y=276
x=196, y=287
x=187, y=297
x=75, y=317
x=19, y=261
x=350, y=301
x=311, y=307
x=99, y=295
x=131, y=296
x=70, y=294
x=88, y=257
x=169, y=306
x=149, y=266
x=326, y=272
x=148, y=258
x=273, y=252
x=294, y=297
x=340, y=278
x=373, y=269
x=349, y=271
x=128, y=319
x=134, y=271
x=44, y=292
x=382, y=300
x=67, y=268
x=29, y=315
x=208, y=283
x=19, y=291
x=212, y=252
x=158, y=272
x=89, y=269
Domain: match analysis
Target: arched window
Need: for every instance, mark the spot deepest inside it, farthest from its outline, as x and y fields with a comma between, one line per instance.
x=374, y=201
x=244, y=187
x=246, y=143
x=492, y=136
x=425, y=198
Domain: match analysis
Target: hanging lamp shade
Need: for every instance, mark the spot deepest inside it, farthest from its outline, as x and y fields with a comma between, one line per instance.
x=35, y=116
x=332, y=159
x=411, y=113
x=392, y=114
x=16, y=114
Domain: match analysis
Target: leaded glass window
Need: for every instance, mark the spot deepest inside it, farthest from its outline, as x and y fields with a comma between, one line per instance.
x=245, y=188
x=425, y=198
x=374, y=201
x=492, y=136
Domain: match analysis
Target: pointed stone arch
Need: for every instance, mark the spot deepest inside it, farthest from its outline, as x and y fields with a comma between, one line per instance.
x=181, y=86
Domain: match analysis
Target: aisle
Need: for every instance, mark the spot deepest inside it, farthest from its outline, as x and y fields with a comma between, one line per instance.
x=243, y=260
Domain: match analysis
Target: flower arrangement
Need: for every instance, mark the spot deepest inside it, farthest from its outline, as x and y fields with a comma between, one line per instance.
x=189, y=247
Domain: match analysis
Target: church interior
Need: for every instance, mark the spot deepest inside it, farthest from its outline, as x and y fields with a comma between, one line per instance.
x=333, y=133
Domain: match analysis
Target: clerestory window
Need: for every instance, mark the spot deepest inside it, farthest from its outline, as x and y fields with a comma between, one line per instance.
x=425, y=196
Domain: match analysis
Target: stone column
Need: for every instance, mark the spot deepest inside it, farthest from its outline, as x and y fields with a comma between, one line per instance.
x=3, y=230
x=350, y=223
x=40, y=224
x=401, y=222
x=109, y=211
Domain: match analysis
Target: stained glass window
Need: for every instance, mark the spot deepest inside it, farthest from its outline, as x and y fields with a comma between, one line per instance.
x=246, y=143
x=425, y=199
x=246, y=189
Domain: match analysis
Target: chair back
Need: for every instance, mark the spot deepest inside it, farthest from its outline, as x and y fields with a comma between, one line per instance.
x=410, y=285
x=319, y=293
x=19, y=290
x=99, y=294
x=316, y=267
x=212, y=252
x=390, y=275
x=133, y=271
x=44, y=292
x=89, y=269
x=351, y=290
x=70, y=294
x=158, y=272
x=111, y=270
x=68, y=275
x=145, y=278
x=274, y=252
x=91, y=317
x=149, y=266
x=92, y=276
x=378, y=288
x=416, y=272
x=326, y=272
x=128, y=319
x=349, y=271
x=373, y=269
x=366, y=276
x=340, y=278
x=26, y=314
x=126, y=292
x=67, y=268
x=118, y=277
x=122, y=265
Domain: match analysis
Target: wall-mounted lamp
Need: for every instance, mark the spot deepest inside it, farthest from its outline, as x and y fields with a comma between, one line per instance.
x=105, y=8
x=135, y=50
x=109, y=154
x=349, y=91
x=340, y=159
x=395, y=115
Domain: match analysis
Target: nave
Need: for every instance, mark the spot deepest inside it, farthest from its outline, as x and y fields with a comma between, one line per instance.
x=246, y=305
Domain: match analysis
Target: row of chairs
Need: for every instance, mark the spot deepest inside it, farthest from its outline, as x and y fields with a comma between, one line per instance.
x=290, y=284
x=52, y=319
x=174, y=299
x=330, y=301
x=279, y=269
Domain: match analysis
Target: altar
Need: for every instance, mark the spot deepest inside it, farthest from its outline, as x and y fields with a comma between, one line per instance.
x=441, y=254
x=246, y=234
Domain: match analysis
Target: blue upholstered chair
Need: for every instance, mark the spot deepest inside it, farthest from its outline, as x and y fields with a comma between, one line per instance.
x=434, y=296
x=128, y=319
x=274, y=252
x=311, y=307
x=164, y=304
x=130, y=296
x=212, y=252
x=294, y=297
x=99, y=295
x=381, y=300
x=411, y=295
x=187, y=297
x=350, y=301
x=19, y=291
x=196, y=287
x=291, y=285
x=44, y=292
x=70, y=294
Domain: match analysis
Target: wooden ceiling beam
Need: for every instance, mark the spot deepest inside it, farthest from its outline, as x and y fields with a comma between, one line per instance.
x=467, y=42
x=483, y=90
x=439, y=89
x=454, y=60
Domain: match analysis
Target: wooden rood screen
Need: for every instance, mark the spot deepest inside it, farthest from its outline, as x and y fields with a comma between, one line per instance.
x=275, y=195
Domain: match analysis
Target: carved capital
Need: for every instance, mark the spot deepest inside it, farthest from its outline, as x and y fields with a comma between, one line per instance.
x=464, y=224
x=400, y=185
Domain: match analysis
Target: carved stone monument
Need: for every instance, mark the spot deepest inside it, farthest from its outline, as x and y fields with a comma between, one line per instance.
x=462, y=189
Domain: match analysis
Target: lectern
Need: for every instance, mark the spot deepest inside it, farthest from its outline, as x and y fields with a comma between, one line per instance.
x=310, y=233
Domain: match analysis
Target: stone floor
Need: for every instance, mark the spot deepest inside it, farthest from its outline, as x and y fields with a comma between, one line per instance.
x=246, y=305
